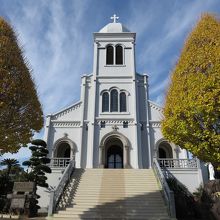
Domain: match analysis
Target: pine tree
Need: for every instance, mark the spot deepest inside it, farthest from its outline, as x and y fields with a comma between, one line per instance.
x=37, y=163
x=20, y=109
x=38, y=169
x=192, y=106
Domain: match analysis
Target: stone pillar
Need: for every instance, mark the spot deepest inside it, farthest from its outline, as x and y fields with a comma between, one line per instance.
x=101, y=156
x=126, y=157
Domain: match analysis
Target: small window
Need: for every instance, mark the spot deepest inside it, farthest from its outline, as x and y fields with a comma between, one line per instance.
x=114, y=100
x=123, y=102
x=105, y=102
x=119, y=55
x=109, y=55
x=125, y=124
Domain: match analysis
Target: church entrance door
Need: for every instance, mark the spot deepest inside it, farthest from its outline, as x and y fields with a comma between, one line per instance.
x=115, y=157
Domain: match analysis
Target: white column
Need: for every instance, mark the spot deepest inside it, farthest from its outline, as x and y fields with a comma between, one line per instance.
x=79, y=156
x=92, y=108
x=150, y=147
x=137, y=148
x=101, y=156
x=47, y=134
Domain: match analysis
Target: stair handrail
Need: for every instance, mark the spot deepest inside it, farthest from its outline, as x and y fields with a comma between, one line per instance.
x=168, y=194
x=58, y=191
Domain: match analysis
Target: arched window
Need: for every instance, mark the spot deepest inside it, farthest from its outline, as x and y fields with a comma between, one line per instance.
x=119, y=55
x=105, y=102
x=123, y=102
x=114, y=100
x=109, y=55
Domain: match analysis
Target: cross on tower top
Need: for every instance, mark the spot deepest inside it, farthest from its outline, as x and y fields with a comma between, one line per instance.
x=114, y=18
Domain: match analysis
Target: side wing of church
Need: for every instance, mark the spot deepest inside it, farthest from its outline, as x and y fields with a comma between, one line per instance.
x=114, y=125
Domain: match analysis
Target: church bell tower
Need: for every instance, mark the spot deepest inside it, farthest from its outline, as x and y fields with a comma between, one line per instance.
x=114, y=51
x=113, y=115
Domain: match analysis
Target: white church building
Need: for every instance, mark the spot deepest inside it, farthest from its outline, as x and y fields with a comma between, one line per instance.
x=114, y=124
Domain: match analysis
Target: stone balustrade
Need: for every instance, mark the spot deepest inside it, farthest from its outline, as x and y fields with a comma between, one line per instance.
x=59, y=162
x=178, y=163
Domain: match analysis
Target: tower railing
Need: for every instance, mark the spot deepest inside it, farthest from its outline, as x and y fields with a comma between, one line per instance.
x=167, y=193
x=55, y=195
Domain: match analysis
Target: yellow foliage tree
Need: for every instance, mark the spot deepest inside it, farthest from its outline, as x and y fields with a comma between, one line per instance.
x=20, y=109
x=192, y=106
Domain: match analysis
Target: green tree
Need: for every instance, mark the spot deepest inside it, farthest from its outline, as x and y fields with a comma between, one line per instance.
x=192, y=106
x=37, y=163
x=38, y=169
x=20, y=109
x=9, y=163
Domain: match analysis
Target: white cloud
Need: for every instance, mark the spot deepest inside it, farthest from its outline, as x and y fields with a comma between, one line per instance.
x=55, y=45
x=162, y=85
x=23, y=154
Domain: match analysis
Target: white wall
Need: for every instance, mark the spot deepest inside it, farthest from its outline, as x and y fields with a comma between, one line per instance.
x=191, y=178
x=52, y=180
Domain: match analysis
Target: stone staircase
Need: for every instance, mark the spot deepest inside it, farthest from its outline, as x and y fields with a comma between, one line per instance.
x=113, y=194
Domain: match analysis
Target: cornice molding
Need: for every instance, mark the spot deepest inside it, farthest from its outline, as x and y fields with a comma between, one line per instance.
x=66, y=124
x=115, y=121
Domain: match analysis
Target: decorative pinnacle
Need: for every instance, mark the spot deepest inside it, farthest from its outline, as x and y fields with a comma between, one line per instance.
x=114, y=18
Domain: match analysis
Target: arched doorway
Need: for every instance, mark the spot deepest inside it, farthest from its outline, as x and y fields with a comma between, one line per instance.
x=63, y=150
x=114, y=157
x=165, y=150
x=162, y=153
x=114, y=151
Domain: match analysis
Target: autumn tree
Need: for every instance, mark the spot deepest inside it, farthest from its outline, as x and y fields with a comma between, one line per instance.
x=20, y=109
x=192, y=106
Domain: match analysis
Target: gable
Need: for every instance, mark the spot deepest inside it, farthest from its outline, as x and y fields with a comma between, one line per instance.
x=70, y=113
x=156, y=112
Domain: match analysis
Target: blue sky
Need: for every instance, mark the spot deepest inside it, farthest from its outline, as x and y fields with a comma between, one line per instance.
x=57, y=40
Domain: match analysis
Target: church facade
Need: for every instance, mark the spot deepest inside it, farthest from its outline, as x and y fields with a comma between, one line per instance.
x=114, y=125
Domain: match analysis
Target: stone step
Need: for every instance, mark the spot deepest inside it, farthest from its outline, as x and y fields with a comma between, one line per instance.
x=97, y=205
x=111, y=218
x=149, y=188
x=124, y=194
x=116, y=206
x=102, y=178
x=99, y=180
x=119, y=212
x=114, y=194
x=114, y=203
x=117, y=190
x=114, y=216
x=121, y=200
